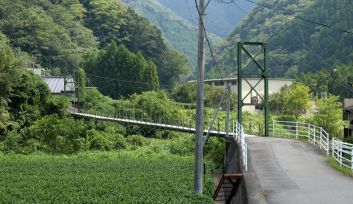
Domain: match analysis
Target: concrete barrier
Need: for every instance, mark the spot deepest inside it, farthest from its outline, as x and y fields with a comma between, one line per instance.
x=232, y=164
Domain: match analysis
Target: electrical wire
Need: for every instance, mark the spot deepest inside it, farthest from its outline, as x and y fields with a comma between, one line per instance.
x=189, y=10
x=300, y=18
x=206, y=37
x=127, y=83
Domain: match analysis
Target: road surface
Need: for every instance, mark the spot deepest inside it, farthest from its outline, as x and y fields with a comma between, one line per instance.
x=285, y=171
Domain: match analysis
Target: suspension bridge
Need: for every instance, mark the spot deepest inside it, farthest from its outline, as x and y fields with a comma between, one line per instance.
x=160, y=126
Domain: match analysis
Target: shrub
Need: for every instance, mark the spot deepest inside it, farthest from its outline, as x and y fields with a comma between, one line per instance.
x=120, y=142
x=329, y=115
x=214, y=150
x=182, y=146
x=12, y=142
x=136, y=140
x=59, y=135
x=57, y=105
x=106, y=141
x=348, y=140
x=163, y=134
x=101, y=142
x=286, y=118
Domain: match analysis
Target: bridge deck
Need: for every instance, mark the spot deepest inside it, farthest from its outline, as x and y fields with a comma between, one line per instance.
x=287, y=171
x=149, y=124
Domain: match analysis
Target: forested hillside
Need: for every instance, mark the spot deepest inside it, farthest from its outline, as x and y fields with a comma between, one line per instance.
x=302, y=36
x=221, y=16
x=180, y=33
x=59, y=35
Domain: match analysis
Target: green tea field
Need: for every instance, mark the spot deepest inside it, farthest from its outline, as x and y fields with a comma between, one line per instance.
x=98, y=177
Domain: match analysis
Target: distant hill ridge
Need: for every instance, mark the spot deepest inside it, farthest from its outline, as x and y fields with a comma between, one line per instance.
x=179, y=33
x=295, y=45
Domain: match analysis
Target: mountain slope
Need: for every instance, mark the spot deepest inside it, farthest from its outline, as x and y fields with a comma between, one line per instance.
x=295, y=44
x=221, y=17
x=60, y=34
x=178, y=32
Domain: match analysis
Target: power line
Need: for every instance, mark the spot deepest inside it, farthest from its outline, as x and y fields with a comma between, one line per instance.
x=189, y=10
x=127, y=82
x=300, y=18
x=299, y=40
x=240, y=8
x=206, y=36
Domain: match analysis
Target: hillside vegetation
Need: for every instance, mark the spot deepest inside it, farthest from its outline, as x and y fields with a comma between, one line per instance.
x=178, y=32
x=295, y=45
x=221, y=16
x=58, y=35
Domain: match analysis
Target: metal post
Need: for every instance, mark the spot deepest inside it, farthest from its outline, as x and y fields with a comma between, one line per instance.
x=314, y=135
x=266, y=104
x=320, y=137
x=273, y=128
x=328, y=144
x=333, y=148
x=296, y=130
x=340, y=149
x=198, y=182
x=228, y=110
x=309, y=132
x=352, y=160
x=239, y=81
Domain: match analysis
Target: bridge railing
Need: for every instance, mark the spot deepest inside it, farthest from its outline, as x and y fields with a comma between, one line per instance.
x=238, y=131
x=342, y=152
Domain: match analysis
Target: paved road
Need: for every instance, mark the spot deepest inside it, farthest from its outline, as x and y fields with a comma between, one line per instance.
x=284, y=171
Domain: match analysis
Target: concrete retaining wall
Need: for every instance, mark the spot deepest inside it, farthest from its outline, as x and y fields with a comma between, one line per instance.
x=233, y=165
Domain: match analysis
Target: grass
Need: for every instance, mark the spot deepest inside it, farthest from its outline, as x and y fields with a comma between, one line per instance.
x=98, y=177
x=333, y=163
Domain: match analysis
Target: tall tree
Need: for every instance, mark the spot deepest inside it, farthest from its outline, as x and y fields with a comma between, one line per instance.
x=117, y=72
x=329, y=115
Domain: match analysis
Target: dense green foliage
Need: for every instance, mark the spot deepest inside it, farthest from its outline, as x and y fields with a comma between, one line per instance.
x=293, y=100
x=329, y=115
x=338, y=81
x=51, y=32
x=152, y=106
x=112, y=21
x=187, y=94
x=295, y=45
x=58, y=35
x=116, y=177
x=117, y=72
x=24, y=96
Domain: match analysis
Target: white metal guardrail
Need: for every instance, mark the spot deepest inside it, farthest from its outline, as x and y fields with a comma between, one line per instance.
x=342, y=152
x=238, y=131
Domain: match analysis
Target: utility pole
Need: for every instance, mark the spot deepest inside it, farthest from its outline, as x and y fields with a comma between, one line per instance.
x=198, y=183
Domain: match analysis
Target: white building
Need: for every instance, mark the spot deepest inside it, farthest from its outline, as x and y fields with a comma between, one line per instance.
x=274, y=86
x=57, y=84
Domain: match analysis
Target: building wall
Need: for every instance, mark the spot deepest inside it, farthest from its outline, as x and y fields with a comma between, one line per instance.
x=275, y=86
